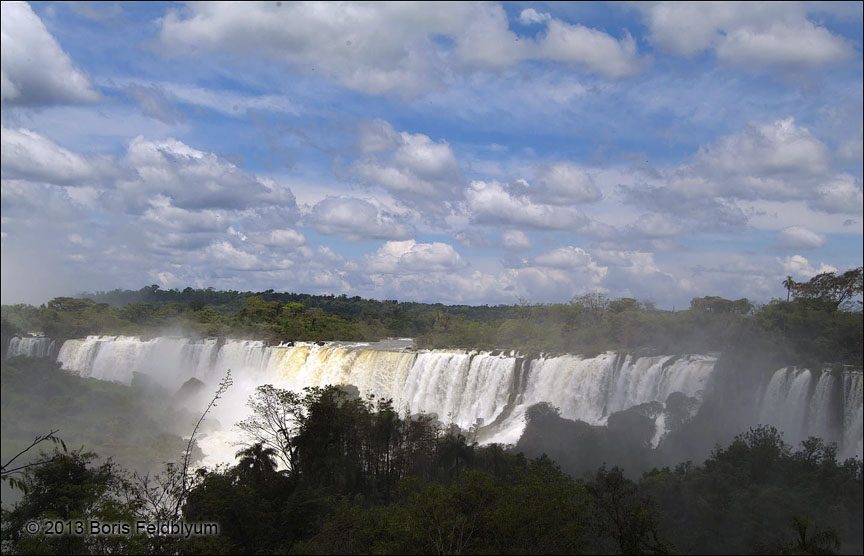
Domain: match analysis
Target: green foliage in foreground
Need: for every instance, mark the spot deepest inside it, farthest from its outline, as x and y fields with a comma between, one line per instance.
x=755, y=488
x=821, y=325
x=68, y=487
x=362, y=480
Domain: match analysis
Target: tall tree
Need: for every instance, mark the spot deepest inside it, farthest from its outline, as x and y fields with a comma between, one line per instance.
x=257, y=461
x=789, y=284
x=833, y=288
x=277, y=415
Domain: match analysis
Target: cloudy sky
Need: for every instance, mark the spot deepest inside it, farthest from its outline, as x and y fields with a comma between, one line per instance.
x=474, y=153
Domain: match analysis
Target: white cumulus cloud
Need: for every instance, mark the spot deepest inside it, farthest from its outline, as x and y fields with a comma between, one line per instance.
x=590, y=49
x=492, y=203
x=843, y=194
x=744, y=33
x=777, y=160
x=411, y=166
x=223, y=253
x=355, y=219
x=28, y=154
x=516, y=240
x=799, y=237
x=564, y=257
x=285, y=238
x=345, y=41
x=530, y=15
x=799, y=267
x=565, y=183
x=34, y=69
x=195, y=179
x=411, y=257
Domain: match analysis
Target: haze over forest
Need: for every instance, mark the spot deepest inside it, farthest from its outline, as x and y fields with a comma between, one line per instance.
x=473, y=153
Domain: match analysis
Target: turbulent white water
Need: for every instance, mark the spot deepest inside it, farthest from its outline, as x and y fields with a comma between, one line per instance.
x=30, y=346
x=171, y=361
x=488, y=391
x=591, y=389
x=804, y=403
x=853, y=411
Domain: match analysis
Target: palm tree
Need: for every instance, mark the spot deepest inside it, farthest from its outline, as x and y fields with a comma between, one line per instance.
x=788, y=283
x=256, y=460
x=454, y=452
x=820, y=542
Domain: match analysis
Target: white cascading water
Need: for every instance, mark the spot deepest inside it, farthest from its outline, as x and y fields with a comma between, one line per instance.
x=170, y=361
x=488, y=391
x=803, y=403
x=784, y=403
x=30, y=346
x=491, y=391
x=591, y=389
x=821, y=411
x=853, y=412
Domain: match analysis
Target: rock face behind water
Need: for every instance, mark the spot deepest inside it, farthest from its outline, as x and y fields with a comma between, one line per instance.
x=190, y=389
x=146, y=382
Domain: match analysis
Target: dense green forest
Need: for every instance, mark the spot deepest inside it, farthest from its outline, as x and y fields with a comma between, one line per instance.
x=327, y=472
x=819, y=322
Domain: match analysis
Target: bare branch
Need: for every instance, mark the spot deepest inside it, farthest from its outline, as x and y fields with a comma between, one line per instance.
x=39, y=439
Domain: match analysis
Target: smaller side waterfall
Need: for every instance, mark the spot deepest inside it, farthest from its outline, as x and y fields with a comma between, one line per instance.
x=30, y=346
x=853, y=411
x=785, y=402
x=171, y=361
x=804, y=403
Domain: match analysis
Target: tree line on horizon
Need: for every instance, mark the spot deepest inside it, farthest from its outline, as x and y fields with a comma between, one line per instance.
x=819, y=322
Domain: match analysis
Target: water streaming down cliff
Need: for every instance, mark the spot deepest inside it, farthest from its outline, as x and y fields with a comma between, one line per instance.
x=488, y=391
x=171, y=361
x=804, y=403
x=853, y=411
x=30, y=346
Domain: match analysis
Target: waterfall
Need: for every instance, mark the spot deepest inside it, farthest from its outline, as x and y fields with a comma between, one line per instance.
x=591, y=389
x=802, y=403
x=852, y=415
x=822, y=419
x=30, y=346
x=171, y=361
x=785, y=402
x=488, y=392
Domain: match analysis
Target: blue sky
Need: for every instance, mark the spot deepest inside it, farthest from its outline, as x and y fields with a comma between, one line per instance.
x=458, y=153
